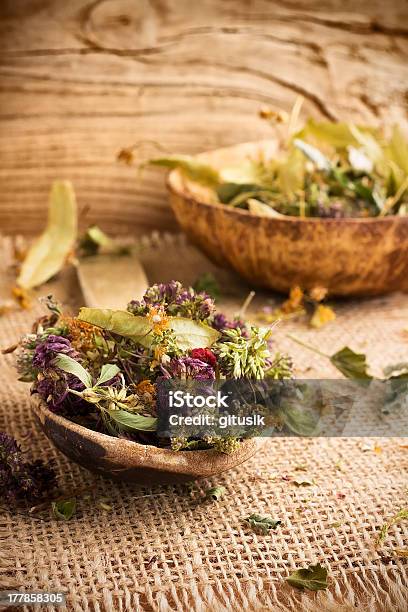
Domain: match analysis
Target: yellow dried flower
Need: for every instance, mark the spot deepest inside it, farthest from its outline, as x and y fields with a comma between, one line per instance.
x=145, y=387
x=22, y=298
x=158, y=319
x=322, y=315
x=81, y=334
x=318, y=293
x=294, y=302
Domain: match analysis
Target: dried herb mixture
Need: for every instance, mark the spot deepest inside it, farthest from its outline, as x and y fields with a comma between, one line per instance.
x=101, y=369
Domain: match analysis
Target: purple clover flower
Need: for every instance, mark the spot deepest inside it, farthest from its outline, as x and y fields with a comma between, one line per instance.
x=221, y=323
x=52, y=383
x=53, y=387
x=176, y=299
x=20, y=479
x=46, y=351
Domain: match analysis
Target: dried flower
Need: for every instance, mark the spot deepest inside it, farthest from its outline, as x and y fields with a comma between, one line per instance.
x=53, y=386
x=221, y=323
x=46, y=351
x=242, y=356
x=294, y=302
x=190, y=368
x=206, y=355
x=81, y=334
x=176, y=300
x=158, y=319
x=20, y=479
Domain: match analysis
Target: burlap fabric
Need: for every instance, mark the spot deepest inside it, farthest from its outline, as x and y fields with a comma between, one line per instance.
x=164, y=548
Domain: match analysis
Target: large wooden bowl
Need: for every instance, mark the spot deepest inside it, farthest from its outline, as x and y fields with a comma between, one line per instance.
x=347, y=256
x=125, y=460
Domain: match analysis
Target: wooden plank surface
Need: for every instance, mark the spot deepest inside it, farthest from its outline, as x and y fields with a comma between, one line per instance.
x=79, y=80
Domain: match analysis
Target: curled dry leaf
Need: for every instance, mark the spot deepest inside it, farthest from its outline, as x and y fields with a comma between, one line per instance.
x=215, y=493
x=49, y=252
x=313, y=578
x=262, y=523
x=190, y=334
x=64, y=509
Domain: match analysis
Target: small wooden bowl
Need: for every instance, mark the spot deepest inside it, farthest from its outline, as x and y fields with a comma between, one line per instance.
x=132, y=462
x=347, y=256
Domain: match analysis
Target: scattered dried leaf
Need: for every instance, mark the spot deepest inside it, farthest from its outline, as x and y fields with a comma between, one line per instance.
x=401, y=515
x=262, y=523
x=64, y=509
x=215, y=493
x=303, y=482
x=313, y=578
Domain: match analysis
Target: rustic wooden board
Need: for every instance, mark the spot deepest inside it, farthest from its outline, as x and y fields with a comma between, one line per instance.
x=79, y=80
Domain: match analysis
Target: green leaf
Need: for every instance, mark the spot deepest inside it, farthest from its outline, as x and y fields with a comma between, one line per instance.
x=108, y=371
x=397, y=370
x=302, y=481
x=313, y=578
x=316, y=156
x=300, y=421
x=262, y=523
x=291, y=174
x=127, y=420
x=215, y=493
x=264, y=210
x=398, y=149
x=335, y=134
x=248, y=172
x=208, y=283
x=69, y=365
x=190, y=167
x=189, y=334
x=368, y=142
x=401, y=515
x=226, y=192
x=192, y=334
x=49, y=252
x=119, y=322
x=351, y=365
x=95, y=240
x=64, y=509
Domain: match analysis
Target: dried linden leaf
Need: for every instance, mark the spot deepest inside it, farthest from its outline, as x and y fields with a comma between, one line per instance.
x=64, y=509
x=351, y=365
x=262, y=523
x=69, y=365
x=49, y=252
x=192, y=334
x=191, y=167
x=303, y=482
x=259, y=208
x=127, y=420
x=189, y=334
x=313, y=578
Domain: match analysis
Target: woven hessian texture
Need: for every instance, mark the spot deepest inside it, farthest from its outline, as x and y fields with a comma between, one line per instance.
x=164, y=548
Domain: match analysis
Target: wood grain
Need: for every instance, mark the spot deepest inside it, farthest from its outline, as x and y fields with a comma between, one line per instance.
x=80, y=80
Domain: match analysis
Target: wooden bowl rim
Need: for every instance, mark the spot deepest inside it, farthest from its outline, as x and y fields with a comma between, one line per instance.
x=174, y=183
x=153, y=457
